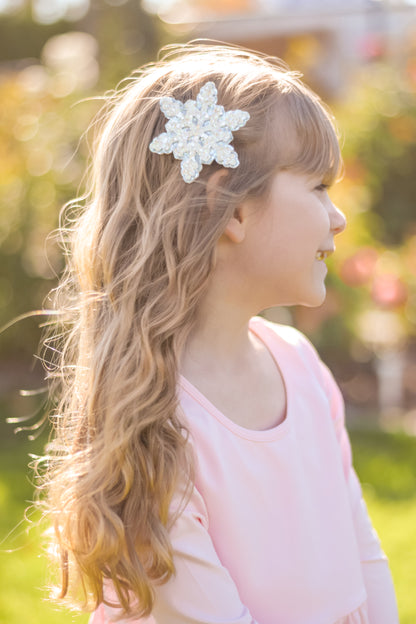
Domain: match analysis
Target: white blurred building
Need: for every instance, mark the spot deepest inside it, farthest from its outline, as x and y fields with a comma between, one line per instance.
x=330, y=37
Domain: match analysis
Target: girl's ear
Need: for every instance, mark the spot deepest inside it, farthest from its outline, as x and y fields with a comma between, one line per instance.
x=235, y=229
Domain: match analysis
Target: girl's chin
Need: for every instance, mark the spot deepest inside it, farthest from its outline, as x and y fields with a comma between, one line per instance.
x=313, y=300
x=316, y=299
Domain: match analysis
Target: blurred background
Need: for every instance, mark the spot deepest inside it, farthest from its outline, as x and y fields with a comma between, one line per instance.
x=360, y=56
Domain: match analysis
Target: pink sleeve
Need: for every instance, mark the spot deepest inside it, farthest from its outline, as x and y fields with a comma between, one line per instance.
x=202, y=592
x=381, y=599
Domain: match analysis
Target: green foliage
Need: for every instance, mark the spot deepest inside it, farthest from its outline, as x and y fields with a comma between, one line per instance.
x=46, y=109
x=22, y=38
x=386, y=466
x=380, y=146
x=388, y=462
x=24, y=568
x=371, y=301
x=40, y=170
x=128, y=37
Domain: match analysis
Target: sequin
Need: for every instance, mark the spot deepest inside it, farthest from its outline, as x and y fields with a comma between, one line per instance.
x=199, y=132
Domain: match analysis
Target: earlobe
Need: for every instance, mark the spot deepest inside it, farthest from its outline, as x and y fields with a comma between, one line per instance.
x=235, y=229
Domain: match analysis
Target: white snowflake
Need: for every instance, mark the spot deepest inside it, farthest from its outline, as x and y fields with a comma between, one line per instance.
x=199, y=132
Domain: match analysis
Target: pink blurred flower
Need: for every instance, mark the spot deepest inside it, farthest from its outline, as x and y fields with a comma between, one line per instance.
x=389, y=291
x=359, y=268
x=372, y=46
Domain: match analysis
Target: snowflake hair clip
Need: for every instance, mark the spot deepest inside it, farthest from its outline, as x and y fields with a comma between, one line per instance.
x=199, y=132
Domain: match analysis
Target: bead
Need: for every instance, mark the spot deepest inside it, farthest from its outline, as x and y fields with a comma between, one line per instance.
x=199, y=132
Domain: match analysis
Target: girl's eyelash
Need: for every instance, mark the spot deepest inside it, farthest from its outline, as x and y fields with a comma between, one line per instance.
x=322, y=187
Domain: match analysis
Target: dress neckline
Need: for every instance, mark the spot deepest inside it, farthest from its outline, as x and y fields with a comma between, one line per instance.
x=275, y=346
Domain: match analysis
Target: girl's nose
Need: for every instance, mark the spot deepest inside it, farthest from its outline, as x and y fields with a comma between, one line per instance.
x=337, y=219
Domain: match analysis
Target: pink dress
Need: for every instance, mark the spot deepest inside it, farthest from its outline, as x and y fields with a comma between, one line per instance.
x=276, y=531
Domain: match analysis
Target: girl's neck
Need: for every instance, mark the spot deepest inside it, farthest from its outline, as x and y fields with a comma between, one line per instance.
x=234, y=370
x=219, y=340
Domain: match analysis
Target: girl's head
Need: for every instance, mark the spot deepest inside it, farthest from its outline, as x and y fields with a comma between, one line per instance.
x=144, y=214
x=140, y=257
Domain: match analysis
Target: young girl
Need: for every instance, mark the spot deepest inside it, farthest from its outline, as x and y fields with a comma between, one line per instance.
x=201, y=470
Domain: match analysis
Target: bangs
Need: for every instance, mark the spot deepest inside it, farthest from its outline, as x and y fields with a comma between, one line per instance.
x=318, y=152
x=306, y=138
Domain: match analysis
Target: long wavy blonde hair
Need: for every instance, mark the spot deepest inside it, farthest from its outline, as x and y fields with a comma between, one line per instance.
x=140, y=248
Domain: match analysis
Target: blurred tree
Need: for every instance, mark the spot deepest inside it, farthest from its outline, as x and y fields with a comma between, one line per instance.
x=127, y=36
x=373, y=276
x=23, y=38
x=41, y=122
x=382, y=141
x=40, y=169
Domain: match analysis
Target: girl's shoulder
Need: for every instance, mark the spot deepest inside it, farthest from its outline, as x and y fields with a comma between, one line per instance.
x=300, y=355
x=293, y=339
